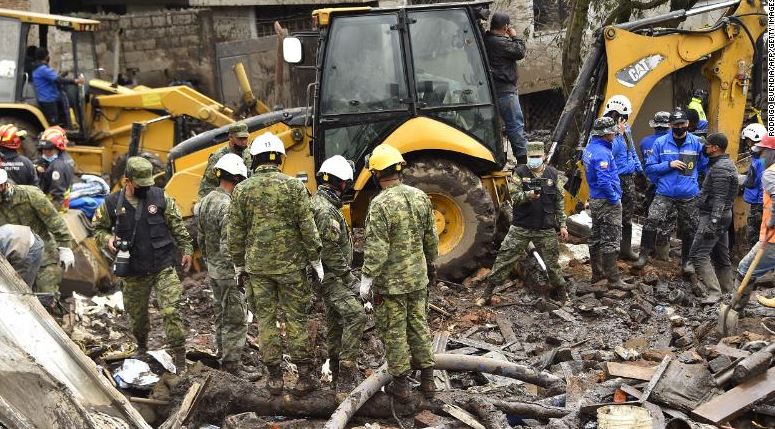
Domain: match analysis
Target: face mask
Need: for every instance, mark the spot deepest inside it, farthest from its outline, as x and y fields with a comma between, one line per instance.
x=534, y=163
x=680, y=132
x=141, y=191
x=48, y=158
x=238, y=149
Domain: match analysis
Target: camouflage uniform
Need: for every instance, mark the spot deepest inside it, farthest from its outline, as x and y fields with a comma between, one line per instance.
x=400, y=242
x=159, y=272
x=29, y=206
x=230, y=313
x=515, y=244
x=606, y=225
x=272, y=234
x=662, y=211
x=209, y=181
x=344, y=313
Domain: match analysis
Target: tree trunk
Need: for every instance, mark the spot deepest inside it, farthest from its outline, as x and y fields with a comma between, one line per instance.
x=571, y=48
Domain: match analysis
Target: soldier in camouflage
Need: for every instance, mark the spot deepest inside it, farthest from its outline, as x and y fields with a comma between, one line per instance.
x=144, y=220
x=605, y=203
x=400, y=249
x=27, y=205
x=536, y=196
x=238, y=142
x=272, y=240
x=344, y=313
x=212, y=216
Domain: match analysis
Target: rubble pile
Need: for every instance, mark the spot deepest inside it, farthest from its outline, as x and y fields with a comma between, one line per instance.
x=644, y=356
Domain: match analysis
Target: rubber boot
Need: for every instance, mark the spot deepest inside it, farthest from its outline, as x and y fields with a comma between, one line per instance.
x=142, y=346
x=235, y=368
x=687, y=269
x=307, y=381
x=427, y=385
x=179, y=359
x=647, y=241
x=712, y=288
x=334, y=365
x=612, y=271
x=596, y=262
x=274, y=380
x=489, y=288
x=725, y=276
x=347, y=380
x=399, y=388
x=662, y=251
x=625, y=246
x=746, y=296
x=521, y=160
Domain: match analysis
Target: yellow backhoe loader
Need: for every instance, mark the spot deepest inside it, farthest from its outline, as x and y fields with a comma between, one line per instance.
x=416, y=77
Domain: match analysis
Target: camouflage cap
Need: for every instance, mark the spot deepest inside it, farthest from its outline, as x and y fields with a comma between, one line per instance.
x=535, y=149
x=140, y=171
x=603, y=126
x=239, y=129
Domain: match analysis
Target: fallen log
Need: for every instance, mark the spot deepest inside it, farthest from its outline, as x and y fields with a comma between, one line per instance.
x=357, y=398
x=489, y=416
x=453, y=362
x=529, y=409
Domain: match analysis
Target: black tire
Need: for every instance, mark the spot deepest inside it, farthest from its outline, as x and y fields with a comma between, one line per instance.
x=456, y=182
x=119, y=165
x=29, y=146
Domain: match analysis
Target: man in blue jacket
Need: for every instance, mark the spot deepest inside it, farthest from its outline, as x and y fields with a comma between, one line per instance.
x=47, y=85
x=661, y=125
x=605, y=204
x=676, y=160
x=752, y=192
x=628, y=164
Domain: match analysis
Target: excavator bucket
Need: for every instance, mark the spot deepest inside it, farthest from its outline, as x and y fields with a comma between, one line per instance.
x=92, y=266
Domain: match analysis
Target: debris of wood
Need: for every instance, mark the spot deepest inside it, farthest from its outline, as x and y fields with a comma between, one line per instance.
x=485, y=346
x=507, y=329
x=462, y=415
x=655, y=378
x=489, y=415
x=564, y=315
x=441, y=378
x=439, y=310
x=754, y=364
x=737, y=400
x=190, y=401
x=616, y=369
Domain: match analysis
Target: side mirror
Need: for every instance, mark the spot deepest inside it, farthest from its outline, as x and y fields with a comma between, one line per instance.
x=292, y=50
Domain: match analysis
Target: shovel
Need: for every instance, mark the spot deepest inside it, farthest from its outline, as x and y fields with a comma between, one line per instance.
x=727, y=321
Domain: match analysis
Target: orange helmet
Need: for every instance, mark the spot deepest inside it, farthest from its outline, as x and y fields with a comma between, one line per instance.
x=53, y=137
x=11, y=137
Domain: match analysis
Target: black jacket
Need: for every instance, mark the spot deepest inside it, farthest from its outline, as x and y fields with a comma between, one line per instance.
x=20, y=169
x=719, y=188
x=57, y=180
x=503, y=52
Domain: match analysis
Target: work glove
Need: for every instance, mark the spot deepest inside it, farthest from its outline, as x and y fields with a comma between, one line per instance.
x=240, y=276
x=318, y=267
x=365, y=289
x=431, y=274
x=66, y=258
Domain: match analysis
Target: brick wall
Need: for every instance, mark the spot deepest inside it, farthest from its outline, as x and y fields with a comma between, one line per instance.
x=15, y=4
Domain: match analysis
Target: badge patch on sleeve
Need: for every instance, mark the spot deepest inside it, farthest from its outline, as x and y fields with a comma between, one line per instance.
x=55, y=175
x=152, y=209
x=604, y=164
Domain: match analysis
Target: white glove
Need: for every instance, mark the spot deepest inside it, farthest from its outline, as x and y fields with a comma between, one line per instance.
x=318, y=267
x=66, y=258
x=365, y=289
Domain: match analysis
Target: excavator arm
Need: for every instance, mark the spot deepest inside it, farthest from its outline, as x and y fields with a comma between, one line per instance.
x=632, y=58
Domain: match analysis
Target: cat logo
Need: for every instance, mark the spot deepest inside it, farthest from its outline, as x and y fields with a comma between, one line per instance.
x=635, y=72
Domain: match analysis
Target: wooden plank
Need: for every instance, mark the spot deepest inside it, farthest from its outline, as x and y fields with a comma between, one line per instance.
x=463, y=351
x=462, y=415
x=725, y=350
x=655, y=378
x=737, y=400
x=486, y=346
x=507, y=330
x=616, y=369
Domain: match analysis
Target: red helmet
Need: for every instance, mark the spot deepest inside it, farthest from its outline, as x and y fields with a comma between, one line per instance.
x=11, y=137
x=767, y=141
x=53, y=137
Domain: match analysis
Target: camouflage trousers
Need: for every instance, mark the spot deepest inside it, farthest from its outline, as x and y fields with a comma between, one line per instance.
x=50, y=274
x=606, y=226
x=663, y=237
x=754, y=224
x=345, y=318
x=402, y=322
x=292, y=293
x=628, y=198
x=514, y=247
x=137, y=295
x=664, y=209
x=231, y=327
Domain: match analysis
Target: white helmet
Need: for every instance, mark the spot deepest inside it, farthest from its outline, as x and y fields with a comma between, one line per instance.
x=618, y=103
x=3, y=176
x=755, y=132
x=232, y=164
x=267, y=142
x=337, y=166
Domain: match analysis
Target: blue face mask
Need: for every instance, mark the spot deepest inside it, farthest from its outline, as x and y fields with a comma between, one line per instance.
x=534, y=163
x=48, y=158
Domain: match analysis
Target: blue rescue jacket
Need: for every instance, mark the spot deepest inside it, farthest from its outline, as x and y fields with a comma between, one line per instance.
x=674, y=183
x=752, y=193
x=627, y=161
x=601, y=172
x=44, y=79
x=646, y=147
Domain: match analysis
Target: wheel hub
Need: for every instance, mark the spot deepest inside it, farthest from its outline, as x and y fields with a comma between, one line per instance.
x=448, y=220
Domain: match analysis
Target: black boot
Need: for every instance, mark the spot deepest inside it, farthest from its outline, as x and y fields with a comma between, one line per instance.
x=647, y=241
x=274, y=380
x=687, y=269
x=333, y=365
x=489, y=288
x=307, y=381
x=612, y=271
x=725, y=279
x=596, y=262
x=399, y=388
x=746, y=296
x=625, y=246
x=347, y=380
x=712, y=288
x=179, y=359
x=427, y=385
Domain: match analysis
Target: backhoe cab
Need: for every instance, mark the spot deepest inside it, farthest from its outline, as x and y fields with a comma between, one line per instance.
x=414, y=77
